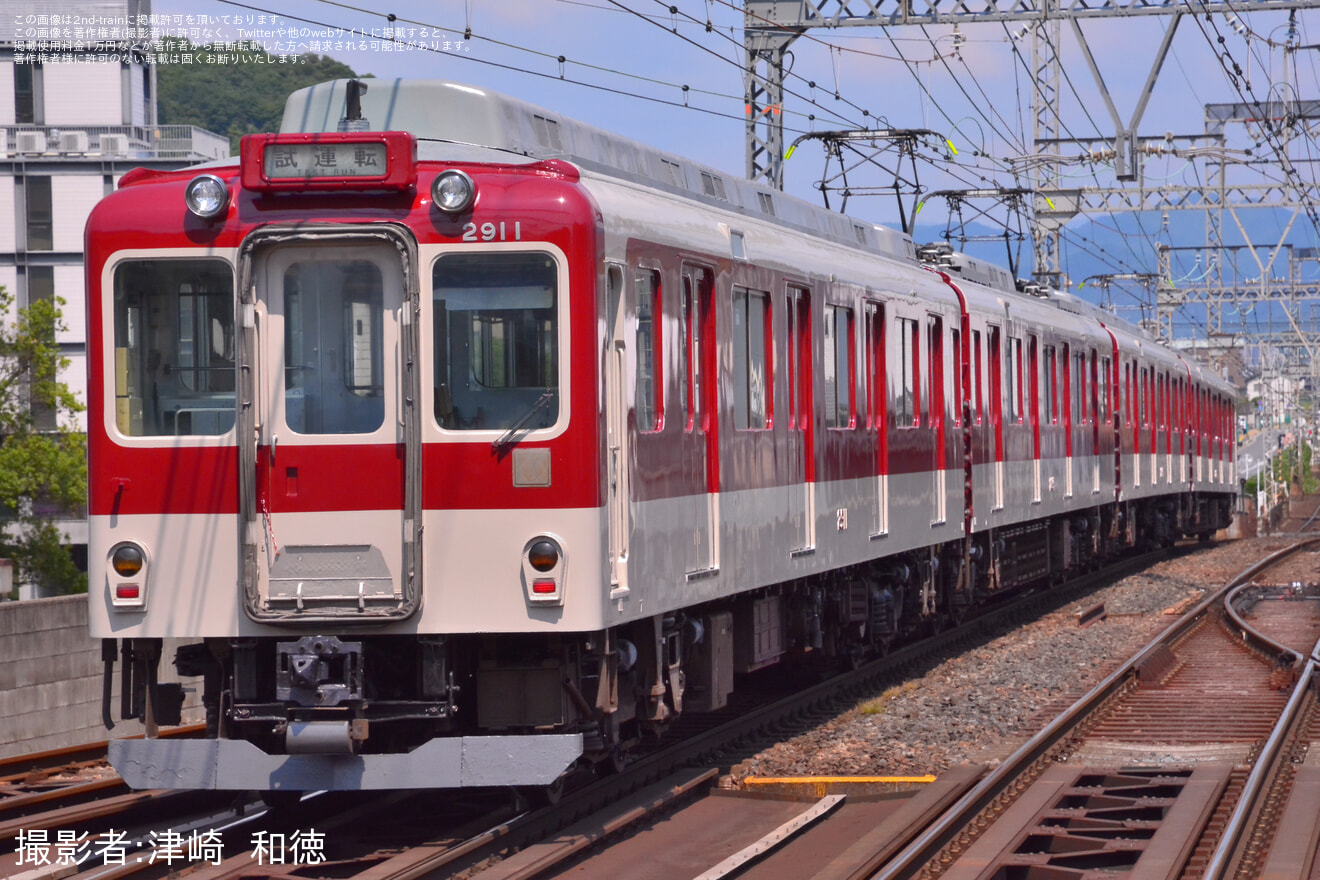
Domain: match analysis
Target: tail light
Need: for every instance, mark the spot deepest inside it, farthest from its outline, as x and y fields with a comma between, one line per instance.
x=544, y=568
x=127, y=576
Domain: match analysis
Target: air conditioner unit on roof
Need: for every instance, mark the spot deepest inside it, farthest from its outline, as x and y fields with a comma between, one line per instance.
x=114, y=144
x=73, y=142
x=31, y=142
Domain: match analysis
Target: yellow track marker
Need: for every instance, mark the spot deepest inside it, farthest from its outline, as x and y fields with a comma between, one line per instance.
x=819, y=784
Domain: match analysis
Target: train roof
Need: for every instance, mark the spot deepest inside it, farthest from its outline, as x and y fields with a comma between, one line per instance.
x=509, y=130
x=455, y=122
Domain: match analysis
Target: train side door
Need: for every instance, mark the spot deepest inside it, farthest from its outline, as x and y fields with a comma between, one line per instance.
x=935, y=419
x=617, y=437
x=698, y=296
x=1066, y=389
x=1096, y=415
x=802, y=470
x=877, y=410
x=996, y=364
x=334, y=507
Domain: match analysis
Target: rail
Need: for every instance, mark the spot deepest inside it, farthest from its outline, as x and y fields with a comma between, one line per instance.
x=925, y=847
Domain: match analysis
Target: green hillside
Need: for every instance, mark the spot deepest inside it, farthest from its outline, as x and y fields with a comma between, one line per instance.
x=233, y=90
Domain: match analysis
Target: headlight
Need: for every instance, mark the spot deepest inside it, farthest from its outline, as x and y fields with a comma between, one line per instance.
x=127, y=560
x=453, y=191
x=206, y=196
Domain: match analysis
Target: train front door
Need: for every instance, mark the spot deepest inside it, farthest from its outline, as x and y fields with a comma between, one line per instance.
x=331, y=351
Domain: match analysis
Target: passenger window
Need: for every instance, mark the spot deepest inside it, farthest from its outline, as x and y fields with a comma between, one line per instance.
x=1050, y=414
x=496, y=341
x=955, y=337
x=174, y=347
x=839, y=381
x=875, y=365
x=1015, y=379
x=650, y=384
x=908, y=411
x=1105, y=375
x=751, y=362
x=977, y=380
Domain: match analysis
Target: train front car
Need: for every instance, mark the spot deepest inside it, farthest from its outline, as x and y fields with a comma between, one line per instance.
x=345, y=452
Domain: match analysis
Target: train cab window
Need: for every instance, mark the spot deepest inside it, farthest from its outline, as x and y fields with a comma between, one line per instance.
x=908, y=410
x=174, y=347
x=650, y=381
x=839, y=379
x=496, y=340
x=751, y=361
x=334, y=348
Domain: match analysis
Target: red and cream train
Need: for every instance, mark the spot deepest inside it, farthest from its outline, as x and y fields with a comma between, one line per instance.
x=460, y=442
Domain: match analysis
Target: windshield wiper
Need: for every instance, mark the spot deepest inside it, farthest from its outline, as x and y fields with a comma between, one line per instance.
x=512, y=436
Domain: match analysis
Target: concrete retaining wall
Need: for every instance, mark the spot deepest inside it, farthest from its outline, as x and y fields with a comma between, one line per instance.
x=50, y=678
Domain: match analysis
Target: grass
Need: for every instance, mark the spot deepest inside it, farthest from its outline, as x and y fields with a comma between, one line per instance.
x=881, y=703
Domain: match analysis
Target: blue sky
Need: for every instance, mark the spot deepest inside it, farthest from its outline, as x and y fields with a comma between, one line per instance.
x=972, y=86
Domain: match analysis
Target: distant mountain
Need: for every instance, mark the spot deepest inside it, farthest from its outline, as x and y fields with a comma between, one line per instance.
x=233, y=89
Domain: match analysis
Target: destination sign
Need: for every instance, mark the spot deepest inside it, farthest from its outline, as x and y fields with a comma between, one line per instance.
x=284, y=161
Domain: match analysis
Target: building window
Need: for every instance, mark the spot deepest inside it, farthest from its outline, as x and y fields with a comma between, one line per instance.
x=40, y=221
x=41, y=287
x=27, y=95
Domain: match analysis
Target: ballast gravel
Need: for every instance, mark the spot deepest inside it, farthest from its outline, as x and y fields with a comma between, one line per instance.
x=979, y=706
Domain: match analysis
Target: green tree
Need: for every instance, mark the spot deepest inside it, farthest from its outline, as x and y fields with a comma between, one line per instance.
x=233, y=90
x=42, y=471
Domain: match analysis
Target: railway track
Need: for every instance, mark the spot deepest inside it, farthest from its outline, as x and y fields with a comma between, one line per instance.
x=475, y=830
x=411, y=835
x=1181, y=764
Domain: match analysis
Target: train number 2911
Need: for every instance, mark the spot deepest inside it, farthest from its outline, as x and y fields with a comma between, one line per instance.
x=491, y=231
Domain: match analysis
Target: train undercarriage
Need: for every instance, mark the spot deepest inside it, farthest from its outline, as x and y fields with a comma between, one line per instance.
x=592, y=696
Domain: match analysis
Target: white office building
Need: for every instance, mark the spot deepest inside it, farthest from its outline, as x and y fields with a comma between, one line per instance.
x=77, y=110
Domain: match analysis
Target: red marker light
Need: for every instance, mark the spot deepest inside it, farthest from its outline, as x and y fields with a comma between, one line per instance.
x=128, y=591
x=543, y=586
